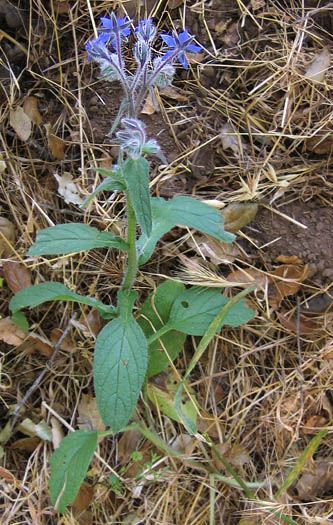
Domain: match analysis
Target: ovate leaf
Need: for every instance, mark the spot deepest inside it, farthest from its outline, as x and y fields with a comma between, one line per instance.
x=43, y=292
x=136, y=173
x=120, y=365
x=185, y=211
x=194, y=310
x=72, y=237
x=154, y=314
x=69, y=465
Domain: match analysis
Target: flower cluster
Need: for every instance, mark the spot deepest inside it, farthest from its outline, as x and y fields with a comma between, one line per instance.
x=149, y=73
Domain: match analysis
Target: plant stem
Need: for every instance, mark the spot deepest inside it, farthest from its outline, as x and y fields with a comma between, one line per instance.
x=132, y=259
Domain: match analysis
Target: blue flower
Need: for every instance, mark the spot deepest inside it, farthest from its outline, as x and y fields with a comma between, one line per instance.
x=113, y=26
x=146, y=30
x=178, y=45
x=97, y=50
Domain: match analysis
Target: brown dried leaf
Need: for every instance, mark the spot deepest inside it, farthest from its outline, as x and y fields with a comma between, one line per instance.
x=237, y=455
x=10, y=334
x=294, y=275
x=127, y=444
x=67, y=345
x=312, y=424
x=318, y=480
x=288, y=259
x=30, y=107
x=56, y=145
x=239, y=214
x=249, y=276
x=28, y=444
x=61, y=7
x=218, y=252
x=173, y=4
x=184, y=444
x=173, y=93
x=83, y=498
x=17, y=276
x=56, y=432
x=306, y=325
x=320, y=145
x=318, y=67
x=93, y=321
x=36, y=343
x=7, y=233
x=148, y=107
x=21, y=123
x=89, y=417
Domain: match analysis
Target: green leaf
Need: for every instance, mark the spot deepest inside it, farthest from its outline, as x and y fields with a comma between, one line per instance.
x=106, y=185
x=43, y=292
x=154, y=313
x=73, y=237
x=20, y=321
x=194, y=310
x=136, y=173
x=185, y=211
x=162, y=395
x=120, y=365
x=69, y=465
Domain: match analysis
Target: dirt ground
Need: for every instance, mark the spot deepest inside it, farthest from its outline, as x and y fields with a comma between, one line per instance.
x=248, y=129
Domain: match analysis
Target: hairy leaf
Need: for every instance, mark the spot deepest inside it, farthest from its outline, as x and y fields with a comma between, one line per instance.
x=73, y=237
x=120, y=365
x=106, y=185
x=153, y=315
x=49, y=291
x=136, y=173
x=194, y=310
x=69, y=465
x=185, y=211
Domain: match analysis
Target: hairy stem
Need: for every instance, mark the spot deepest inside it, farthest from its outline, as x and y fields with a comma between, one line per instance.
x=132, y=259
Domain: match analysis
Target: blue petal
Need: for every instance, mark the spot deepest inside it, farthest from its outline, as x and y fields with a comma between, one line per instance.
x=183, y=60
x=107, y=22
x=167, y=55
x=192, y=48
x=184, y=36
x=168, y=40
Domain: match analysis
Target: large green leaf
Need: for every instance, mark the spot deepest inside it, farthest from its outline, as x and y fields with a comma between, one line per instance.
x=120, y=365
x=73, y=237
x=69, y=465
x=49, y=291
x=154, y=313
x=185, y=211
x=194, y=310
x=136, y=174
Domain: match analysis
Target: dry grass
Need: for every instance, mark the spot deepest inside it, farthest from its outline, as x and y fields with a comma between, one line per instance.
x=259, y=396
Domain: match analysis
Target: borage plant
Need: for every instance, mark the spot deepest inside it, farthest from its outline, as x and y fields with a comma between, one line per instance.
x=131, y=349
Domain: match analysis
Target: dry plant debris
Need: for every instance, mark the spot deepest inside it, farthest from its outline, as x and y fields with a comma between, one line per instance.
x=248, y=127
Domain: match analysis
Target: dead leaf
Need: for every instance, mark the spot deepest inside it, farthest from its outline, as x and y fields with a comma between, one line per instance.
x=218, y=252
x=83, y=498
x=3, y=166
x=236, y=455
x=229, y=139
x=173, y=4
x=10, y=334
x=127, y=444
x=68, y=189
x=306, y=325
x=173, y=93
x=317, y=480
x=57, y=433
x=7, y=237
x=8, y=476
x=249, y=276
x=319, y=66
x=30, y=107
x=239, y=214
x=34, y=343
x=17, y=276
x=184, y=444
x=21, y=123
x=89, y=417
x=294, y=275
x=312, y=424
x=28, y=444
x=61, y=7
x=148, y=107
x=320, y=144
x=67, y=344
x=41, y=429
x=288, y=259
x=56, y=145
x=94, y=321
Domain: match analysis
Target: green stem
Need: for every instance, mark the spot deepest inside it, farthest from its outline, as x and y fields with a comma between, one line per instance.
x=132, y=259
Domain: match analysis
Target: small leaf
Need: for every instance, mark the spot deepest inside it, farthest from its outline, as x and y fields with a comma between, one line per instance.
x=194, y=310
x=185, y=211
x=7, y=237
x=319, y=66
x=42, y=429
x=21, y=123
x=30, y=107
x=17, y=276
x=161, y=392
x=105, y=185
x=69, y=189
x=20, y=321
x=136, y=173
x=120, y=365
x=154, y=313
x=56, y=145
x=69, y=465
x=239, y=214
x=10, y=333
x=49, y=291
x=73, y=237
